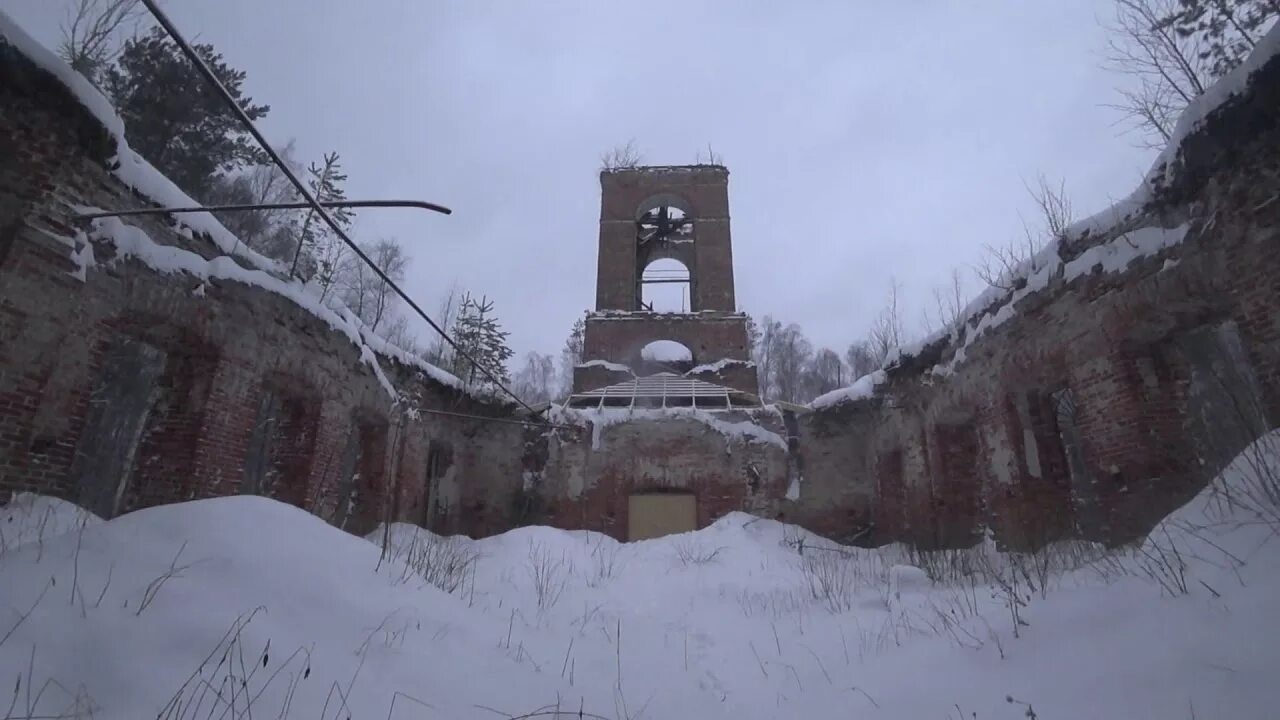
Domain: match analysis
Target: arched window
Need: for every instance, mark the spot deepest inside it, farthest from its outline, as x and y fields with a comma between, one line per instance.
x=665, y=355
x=664, y=286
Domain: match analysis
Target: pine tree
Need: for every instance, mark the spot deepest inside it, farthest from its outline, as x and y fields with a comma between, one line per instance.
x=1226, y=29
x=174, y=118
x=480, y=335
x=321, y=255
x=571, y=354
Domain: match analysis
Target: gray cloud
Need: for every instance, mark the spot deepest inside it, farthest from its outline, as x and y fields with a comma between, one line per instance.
x=865, y=139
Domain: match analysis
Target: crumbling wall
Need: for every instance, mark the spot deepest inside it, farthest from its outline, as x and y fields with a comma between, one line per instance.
x=1100, y=394
x=125, y=383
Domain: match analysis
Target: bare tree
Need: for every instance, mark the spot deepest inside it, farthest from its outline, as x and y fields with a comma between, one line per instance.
x=398, y=332
x=708, y=157
x=271, y=232
x=1006, y=266
x=860, y=359
x=91, y=32
x=535, y=381
x=571, y=355
x=439, y=353
x=1167, y=70
x=621, y=157
x=824, y=372
x=367, y=295
x=887, y=330
x=949, y=302
x=789, y=352
x=763, y=353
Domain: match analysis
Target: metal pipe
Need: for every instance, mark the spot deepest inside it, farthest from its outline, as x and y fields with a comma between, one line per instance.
x=247, y=122
x=268, y=206
x=510, y=421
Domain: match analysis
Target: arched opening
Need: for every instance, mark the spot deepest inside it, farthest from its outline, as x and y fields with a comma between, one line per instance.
x=664, y=223
x=667, y=352
x=664, y=286
x=665, y=356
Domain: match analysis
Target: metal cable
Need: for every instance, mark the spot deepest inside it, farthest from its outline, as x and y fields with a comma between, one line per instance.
x=267, y=206
x=312, y=202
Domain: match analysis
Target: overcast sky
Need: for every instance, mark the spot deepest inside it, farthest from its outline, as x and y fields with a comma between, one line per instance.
x=865, y=139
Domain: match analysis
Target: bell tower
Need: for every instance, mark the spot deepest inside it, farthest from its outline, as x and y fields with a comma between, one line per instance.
x=672, y=213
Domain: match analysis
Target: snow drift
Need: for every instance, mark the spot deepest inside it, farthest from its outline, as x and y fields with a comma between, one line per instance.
x=250, y=604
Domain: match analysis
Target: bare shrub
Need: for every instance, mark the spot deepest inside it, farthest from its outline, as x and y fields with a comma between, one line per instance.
x=1160, y=559
x=774, y=605
x=50, y=699
x=621, y=157
x=550, y=574
x=831, y=577
x=226, y=685
x=949, y=566
x=692, y=550
x=604, y=562
x=445, y=562
x=153, y=588
x=1007, y=267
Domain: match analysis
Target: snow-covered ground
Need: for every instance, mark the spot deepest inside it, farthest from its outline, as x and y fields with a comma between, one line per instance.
x=244, y=607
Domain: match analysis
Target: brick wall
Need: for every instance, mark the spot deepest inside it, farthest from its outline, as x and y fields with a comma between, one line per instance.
x=1106, y=401
x=589, y=475
x=128, y=387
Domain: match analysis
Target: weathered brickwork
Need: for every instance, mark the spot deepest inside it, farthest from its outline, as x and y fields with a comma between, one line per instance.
x=1102, y=403
x=589, y=474
x=126, y=387
x=1106, y=400
x=685, y=214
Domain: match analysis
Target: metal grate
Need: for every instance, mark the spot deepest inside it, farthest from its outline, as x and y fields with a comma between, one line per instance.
x=664, y=390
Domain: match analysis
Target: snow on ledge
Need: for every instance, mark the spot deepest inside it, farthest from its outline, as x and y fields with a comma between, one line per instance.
x=132, y=242
x=719, y=366
x=89, y=96
x=995, y=305
x=616, y=367
x=861, y=389
x=134, y=171
x=601, y=418
x=128, y=166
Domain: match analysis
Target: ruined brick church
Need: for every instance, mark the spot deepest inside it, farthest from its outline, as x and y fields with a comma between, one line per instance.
x=155, y=360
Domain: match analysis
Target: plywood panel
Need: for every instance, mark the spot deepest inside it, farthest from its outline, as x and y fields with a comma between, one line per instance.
x=658, y=514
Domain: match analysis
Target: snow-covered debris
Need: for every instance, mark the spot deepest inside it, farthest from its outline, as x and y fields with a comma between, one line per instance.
x=607, y=365
x=719, y=366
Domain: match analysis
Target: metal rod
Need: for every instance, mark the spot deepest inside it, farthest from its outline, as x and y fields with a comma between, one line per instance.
x=268, y=206
x=247, y=122
x=486, y=418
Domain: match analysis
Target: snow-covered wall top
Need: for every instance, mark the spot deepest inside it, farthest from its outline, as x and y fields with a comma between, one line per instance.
x=746, y=431
x=1110, y=240
x=135, y=172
